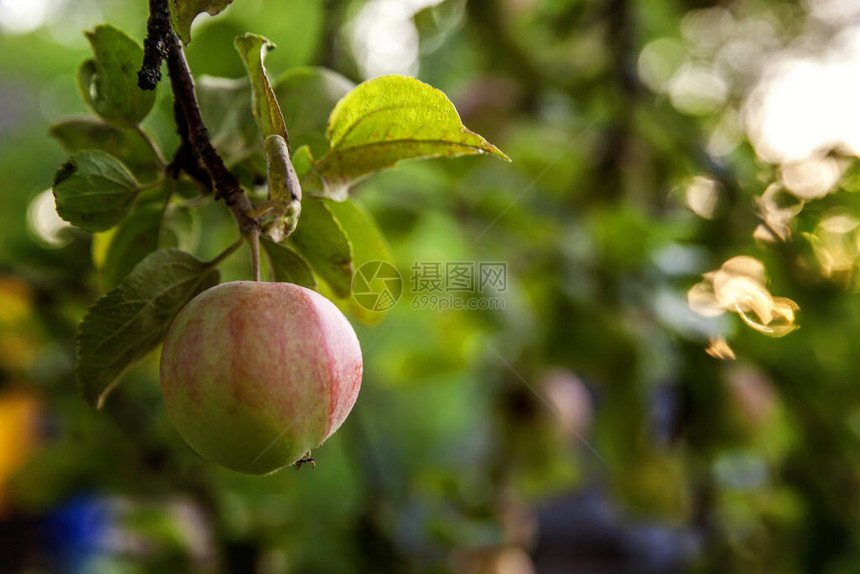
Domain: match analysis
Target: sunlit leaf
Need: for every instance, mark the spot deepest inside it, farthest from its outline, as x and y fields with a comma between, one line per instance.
x=780, y=329
x=108, y=81
x=383, y=121
x=739, y=286
x=183, y=12
x=94, y=190
x=702, y=300
x=719, y=348
x=287, y=265
x=127, y=323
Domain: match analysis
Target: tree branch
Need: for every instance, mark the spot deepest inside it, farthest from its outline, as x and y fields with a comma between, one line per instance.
x=185, y=159
x=225, y=184
x=196, y=155
x=155, y=45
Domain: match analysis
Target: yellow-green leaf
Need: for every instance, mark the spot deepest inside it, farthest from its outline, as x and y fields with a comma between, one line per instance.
x=383, y=121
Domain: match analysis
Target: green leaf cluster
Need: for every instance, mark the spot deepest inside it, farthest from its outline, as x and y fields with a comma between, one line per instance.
x=97, y=187
x=115, y=183
x=355, y=131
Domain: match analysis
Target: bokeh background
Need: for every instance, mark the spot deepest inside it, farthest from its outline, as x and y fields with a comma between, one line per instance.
x=621, y=414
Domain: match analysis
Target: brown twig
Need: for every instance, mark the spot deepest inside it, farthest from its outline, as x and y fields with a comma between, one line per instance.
x=196, y=155
x=154, y=46
x=225, y=184
x=185, y=159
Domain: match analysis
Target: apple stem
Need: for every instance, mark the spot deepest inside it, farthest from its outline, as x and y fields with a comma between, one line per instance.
x=254, y=241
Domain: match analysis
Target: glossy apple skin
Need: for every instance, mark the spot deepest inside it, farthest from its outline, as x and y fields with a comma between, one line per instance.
x=256, y=374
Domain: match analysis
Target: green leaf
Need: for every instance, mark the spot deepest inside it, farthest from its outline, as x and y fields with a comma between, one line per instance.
x=148, y=227
x=183, y=12
x=368, y=245
x=94, y=190
x=267, y=111
x=383, y=121
x=307, y=96
x=368, y=242
x=287, y=265
x=226, y=108
x=127, y=145
x=124, y=325
x=180, y=228
x=322, y=242
x=108, y=81
x=303, y=161
x=132, y=241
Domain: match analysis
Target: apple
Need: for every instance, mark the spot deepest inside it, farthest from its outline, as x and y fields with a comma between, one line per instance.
x=257, y=374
